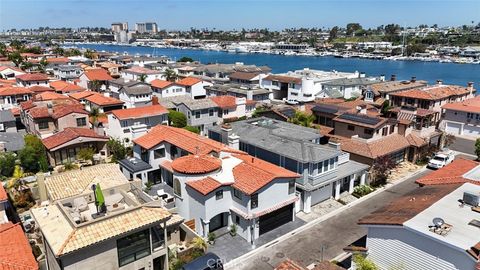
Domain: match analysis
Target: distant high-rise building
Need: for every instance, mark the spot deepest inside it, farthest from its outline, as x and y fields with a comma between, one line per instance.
x=119, y=26
x=146, y=27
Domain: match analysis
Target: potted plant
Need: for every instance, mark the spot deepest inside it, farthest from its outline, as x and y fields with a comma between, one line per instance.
x=233, y=229
x=211, y=238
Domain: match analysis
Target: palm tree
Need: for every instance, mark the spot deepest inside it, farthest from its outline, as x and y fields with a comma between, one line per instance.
x=170, y=75
x=94, y=114
x=142, y=78
x=95, y=85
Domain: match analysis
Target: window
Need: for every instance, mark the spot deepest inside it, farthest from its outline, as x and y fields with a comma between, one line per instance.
x=123, y=123
x=133, y=247
x=292, y=85
x=81, y=122
x=159, y=153
x=237, y=193
x=325, y=165
x=219, y=195
x=385, y=131
x=197, y=114
x=368, y=131
x=237, y=220
x=351, y=127
x=369, y=95
x=291, y=186
x=43, y=125
x=254, y=201
x=210, y=112
x=332, y=163
x=392, y=129
x=177, y=188
x=275, y=83
x=225, y=112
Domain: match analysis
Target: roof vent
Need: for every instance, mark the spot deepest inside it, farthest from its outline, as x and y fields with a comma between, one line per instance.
x=471, y=199
x=440, y=227
x=475, y=223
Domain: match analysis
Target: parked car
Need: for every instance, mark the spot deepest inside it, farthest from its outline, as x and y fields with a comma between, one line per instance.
x=291, y=101
x=441, y=159
x=209, y=261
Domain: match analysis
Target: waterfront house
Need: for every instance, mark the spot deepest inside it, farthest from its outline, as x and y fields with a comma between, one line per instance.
x=248, y=78
x=325, y=171
x=432, y=228
x=221, y=72
x=135, y=94
x=214, y=185
x=347, y=87
x=129, y=124
x=462, y=118
x=379, y=92
x=133, y=231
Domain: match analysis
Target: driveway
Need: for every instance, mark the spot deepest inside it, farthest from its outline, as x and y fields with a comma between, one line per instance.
x=463, y=145
x=328, y=238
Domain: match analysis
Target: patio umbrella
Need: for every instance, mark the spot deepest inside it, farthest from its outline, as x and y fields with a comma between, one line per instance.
x=100, y=200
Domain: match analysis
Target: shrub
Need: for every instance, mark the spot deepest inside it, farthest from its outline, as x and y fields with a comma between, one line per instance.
x=116, y=149
x=362, y=190
x=177, y=119
x=193, y=129
x=86, y=154
x=363, y=263
x=211, y=237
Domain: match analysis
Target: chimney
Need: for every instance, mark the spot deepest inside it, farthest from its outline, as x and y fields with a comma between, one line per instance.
x=382, y=77
x=234, y=141
x=225, y=132
x=413, y=79
x=439, y=82
x=470, y=87
x=155, y=100
x=42, y=189
x=393, y=77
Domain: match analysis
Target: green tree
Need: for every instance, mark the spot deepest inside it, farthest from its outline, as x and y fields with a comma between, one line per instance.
x=3, y=49
x=199, y=243
x=116, y=149
x=95, y=85
x=34, y=49
x=89, y=54
x=7, y=164
x=32, y=157
x=58, y=50
x=185, y=59
x=142, y=78
x=177, y=119
x=94, y=114
x=16, y=58
x=381, y=169
x=333, y=33
x=352, y=28
x=17, y=45
x=192, y=129
x=302, y=119
x=363, y=263
x=86, y=154
x=477, y=148
x=170, y=75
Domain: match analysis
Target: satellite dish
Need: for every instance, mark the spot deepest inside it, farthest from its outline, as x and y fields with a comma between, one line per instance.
x=438, y=222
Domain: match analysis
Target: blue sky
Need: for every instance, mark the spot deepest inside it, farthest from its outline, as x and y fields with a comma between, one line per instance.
x=235, y=14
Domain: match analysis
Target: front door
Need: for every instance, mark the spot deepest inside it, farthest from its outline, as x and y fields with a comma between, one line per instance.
x=217, y=222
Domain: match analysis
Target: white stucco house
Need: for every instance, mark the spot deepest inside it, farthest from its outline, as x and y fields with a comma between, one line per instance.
x=214, y=185
x=135, y=95
x=136, y=73
x=163, y=89
x=9, y=73
x=231, y=107
x=194, y=87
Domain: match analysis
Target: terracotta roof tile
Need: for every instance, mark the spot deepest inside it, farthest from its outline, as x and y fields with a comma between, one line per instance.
x=433, y=92
x=283, y=79
x=196, y=164
x=66, y=87
x=69, y=134
x=62, y=110
x=32, y=77
x=16, y=253
x=97, y=74
x=139, y=112
x=142, y=70
x=81, y=95
x=160, y=83
x=40, y=89
x=415, y=140
x=407, y=206
x=11, y=91
x=39, y=112
x=205, y=185
x=470, y=105
x=380, y=147
x=102, y=100
x=225, y=102
x=450, y=174
x=289, y=265
x=188, y=81
x=49, y=96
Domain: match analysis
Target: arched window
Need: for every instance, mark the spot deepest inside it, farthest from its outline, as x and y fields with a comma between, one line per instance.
x=177, y=188
x=369, y=95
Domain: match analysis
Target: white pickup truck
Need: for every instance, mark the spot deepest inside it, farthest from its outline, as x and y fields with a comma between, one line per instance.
x=441, y=159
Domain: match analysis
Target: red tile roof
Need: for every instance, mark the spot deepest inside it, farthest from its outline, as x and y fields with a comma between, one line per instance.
x=62, y=110
x=407, y=206
x=15, y=111
x=139, y=112
x=39, y=112
x=377, y=148
x=5, y=83
x=102, y=100
x=97, y=74
x=65, y=87
x=415, y=140
x=70, y=134
x=450, y=174
x=186, y=140
x=12, y=91
x=32, y=77
x=40, y=89
x=253, y=174
x=436, y=92
x=188, y=81
x=205, y=185
x=49, y=96
x=81, y=95
x=142, y=70
x=289, y=265
x=16, y=253
x=470, y=105
x=3, y=193
x=225, y=102
x=58, y=60
x=160, y=83
x=196, y=164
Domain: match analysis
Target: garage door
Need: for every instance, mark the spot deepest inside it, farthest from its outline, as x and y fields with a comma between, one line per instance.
x=471, y=131
x=453, y=128
x=276, y=219
x=321, y=194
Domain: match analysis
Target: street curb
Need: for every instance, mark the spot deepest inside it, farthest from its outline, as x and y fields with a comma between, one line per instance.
x=235, y=262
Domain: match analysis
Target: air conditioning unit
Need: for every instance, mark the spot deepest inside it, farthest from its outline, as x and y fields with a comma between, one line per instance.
x=471, y=199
